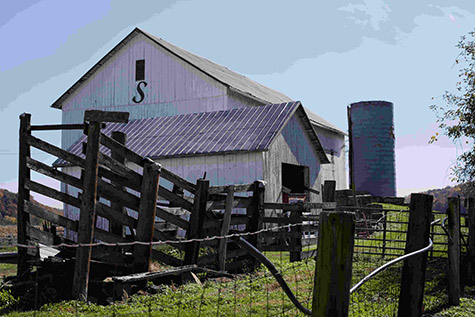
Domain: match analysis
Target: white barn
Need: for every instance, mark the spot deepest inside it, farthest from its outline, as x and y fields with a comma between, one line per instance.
x=157, y=82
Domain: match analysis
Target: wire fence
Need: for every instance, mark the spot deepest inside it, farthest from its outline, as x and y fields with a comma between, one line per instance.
x=258, y=293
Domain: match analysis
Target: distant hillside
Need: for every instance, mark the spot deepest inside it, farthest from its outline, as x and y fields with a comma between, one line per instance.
x=8, y=207
x=441, y=195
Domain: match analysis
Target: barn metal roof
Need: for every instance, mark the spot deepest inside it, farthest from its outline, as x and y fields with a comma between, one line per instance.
x=234, y=81
x=208, y=133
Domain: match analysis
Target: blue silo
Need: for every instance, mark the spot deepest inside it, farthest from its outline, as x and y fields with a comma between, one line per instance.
x=372, y=158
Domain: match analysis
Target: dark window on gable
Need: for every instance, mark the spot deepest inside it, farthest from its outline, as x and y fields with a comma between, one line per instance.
x=139, y=69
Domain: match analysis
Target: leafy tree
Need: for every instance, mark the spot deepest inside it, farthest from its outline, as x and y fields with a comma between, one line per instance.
x=457, y=117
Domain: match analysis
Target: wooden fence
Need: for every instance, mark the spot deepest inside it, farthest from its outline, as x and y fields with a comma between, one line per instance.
x=108, y=185
x=115, y=180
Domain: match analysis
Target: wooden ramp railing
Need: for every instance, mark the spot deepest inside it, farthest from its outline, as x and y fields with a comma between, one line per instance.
x=111, y=184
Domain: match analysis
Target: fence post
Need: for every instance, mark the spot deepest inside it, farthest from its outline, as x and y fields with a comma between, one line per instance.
x=471, y=240
x=146, y=219
x=87, y=212
x=115, y=226
x=225, y=227
x=296, y=235
x=23, y=218
x=336, y=240
x=87, y=217
x=329, y=191
x=414, y=269
x=196, y=221
x=453, y=214
x=255, y=212
x=385, y=227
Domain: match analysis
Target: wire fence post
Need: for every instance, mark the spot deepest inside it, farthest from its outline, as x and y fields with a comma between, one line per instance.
x=471, y=240
x=336, y=239
x=385, y=227
x=296, y=235
x=414, y=269
x=453, y=273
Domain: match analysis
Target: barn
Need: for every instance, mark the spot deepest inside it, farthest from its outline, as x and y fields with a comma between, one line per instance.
x=195, y=117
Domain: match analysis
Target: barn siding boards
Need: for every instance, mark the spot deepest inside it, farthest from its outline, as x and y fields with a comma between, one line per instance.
x=334, y=145
x=173, y=87
x=292, y=146
x=234, y=170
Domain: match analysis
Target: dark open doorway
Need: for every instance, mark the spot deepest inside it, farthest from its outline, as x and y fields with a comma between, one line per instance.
x=295, y=181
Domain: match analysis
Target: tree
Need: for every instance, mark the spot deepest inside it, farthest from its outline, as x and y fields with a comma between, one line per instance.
x=457, y=117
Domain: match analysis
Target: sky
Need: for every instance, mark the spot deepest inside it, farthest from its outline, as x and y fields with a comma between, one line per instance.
x=326, y=54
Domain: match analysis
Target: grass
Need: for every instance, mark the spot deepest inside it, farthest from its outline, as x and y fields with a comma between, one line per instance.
x=259, y=294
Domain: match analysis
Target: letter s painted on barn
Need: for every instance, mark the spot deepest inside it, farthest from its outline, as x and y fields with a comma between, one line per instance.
x=140, y=91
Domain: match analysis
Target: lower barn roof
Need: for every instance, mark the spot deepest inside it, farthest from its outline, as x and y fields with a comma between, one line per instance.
x=207, y=133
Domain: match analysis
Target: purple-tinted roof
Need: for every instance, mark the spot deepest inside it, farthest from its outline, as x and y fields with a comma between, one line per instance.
x=240, y=129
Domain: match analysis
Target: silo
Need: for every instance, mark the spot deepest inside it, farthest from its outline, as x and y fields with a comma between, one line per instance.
x=372, y=159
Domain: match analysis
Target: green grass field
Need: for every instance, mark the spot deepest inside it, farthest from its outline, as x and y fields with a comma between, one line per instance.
x=259, y=294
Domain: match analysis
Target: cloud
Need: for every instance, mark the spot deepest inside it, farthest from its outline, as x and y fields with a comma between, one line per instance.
x=373, y=12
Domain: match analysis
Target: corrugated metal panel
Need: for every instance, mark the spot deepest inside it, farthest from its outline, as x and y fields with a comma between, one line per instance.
x=241, y=129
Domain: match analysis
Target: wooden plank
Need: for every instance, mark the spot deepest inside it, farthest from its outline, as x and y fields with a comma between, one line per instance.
x=107, y=236
x=115, y=226
x=331, y=292
x=52, y=193
x=175, y=199
x=109, y=213
x=153, y=275
x=109, y=192
x=146, y=220
x=305, y=206
x=196, y=221
x=56, y=151
x=44, y=237
x=453, y=274
x=53, y=173
x=165, y=258
x=239, y=202
x=50, y=216
x=238, y=188
x=116, y=178
x=280, y=220
x=87, y=214
x=414, y=269
x=106, y=116
x=176, y=220
x=120, y=169
x=225, y=228
x=177, y=180
x=235, y=220
x=9, y=257
x=57, y=127
x=121, y=150
x=23, y=219
x=329, y=187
